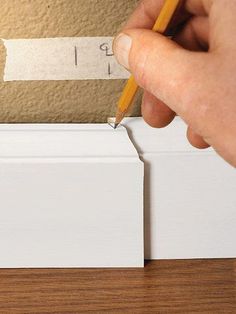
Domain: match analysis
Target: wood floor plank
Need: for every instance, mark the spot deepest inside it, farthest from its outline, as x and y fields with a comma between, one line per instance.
x=193, y=286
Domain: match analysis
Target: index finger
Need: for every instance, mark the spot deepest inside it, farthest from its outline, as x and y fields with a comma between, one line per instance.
x=147, y=11
x=145, y=14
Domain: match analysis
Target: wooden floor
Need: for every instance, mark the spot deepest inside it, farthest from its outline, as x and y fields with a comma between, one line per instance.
x=207, y=286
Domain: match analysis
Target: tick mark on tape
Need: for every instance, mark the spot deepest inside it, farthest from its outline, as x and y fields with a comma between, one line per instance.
x=76, y=56
x=109, y=69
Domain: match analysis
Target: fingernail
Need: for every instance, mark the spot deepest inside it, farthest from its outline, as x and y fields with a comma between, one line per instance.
x=122, y=45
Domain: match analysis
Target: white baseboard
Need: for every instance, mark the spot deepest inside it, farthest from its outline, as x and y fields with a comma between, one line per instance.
x=190, y=195
x=72, y=196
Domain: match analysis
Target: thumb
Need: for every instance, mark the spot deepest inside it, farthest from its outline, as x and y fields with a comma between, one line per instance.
x=159, y=65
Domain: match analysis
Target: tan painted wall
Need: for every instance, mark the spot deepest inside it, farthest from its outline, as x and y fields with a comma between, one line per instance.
x=64, y=101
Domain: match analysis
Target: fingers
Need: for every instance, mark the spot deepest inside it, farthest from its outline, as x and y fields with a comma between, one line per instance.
x=155, y=112
x=195, y=34
x=145, y=14
x=147, y=11
x=158, y=115
x=199, y=7
x=196, y=140
x=159, y=65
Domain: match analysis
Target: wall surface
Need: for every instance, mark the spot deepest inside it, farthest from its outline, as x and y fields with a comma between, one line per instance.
x=60, y=101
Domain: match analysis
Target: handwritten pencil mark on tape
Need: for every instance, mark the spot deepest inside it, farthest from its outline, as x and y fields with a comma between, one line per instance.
x=80, y=58
x=106, y=47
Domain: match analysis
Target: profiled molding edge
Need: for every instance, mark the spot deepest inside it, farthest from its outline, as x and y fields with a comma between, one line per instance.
x=65, y=141
x=171, y=139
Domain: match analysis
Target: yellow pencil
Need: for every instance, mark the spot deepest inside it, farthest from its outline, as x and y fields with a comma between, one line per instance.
x=161, y=25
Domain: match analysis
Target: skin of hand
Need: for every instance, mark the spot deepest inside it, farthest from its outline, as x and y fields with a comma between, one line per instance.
x=192, y=75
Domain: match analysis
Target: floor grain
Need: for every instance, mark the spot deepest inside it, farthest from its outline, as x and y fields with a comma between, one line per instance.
x=198, y=286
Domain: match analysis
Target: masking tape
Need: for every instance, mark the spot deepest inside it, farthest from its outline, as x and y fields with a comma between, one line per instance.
x=80, y=58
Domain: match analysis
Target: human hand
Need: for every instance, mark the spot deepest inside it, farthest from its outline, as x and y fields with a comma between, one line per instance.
x=193, y=76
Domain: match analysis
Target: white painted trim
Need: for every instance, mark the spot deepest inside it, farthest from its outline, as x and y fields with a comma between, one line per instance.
x=60, y=200
x=71, y=141
x=190, y=195
x=150, y=140
x=190, y=199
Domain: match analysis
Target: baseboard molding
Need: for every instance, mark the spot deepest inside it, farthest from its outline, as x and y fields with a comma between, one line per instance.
x=72, y=196
x=190, y=195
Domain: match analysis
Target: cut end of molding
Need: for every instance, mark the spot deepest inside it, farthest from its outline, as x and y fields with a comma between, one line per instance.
x=112, y=122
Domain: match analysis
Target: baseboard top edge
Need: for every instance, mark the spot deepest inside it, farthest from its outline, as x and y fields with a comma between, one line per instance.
x=65, y=141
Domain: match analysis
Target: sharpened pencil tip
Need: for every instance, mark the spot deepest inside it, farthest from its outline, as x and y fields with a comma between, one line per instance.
x=112, y=123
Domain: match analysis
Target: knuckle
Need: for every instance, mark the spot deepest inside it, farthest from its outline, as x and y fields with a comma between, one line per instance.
x=198, y=107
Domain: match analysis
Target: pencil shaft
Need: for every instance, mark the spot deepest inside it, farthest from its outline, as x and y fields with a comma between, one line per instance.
x=165, y=16
x=131, y=87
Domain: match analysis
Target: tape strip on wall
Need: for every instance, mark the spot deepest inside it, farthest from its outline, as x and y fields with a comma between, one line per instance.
x=81, y=58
